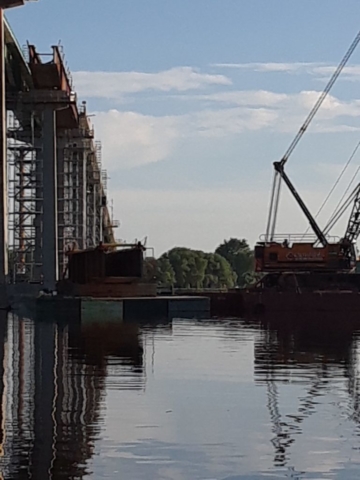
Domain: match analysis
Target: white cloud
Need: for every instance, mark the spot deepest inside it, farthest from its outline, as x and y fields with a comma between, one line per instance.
x=230, y=121
x=261, y=98
x=317, y=69
x=113, y=85
x=130, y=139
x=303, y=100
x=295, y=67
x=349, y=73
x=253, y=110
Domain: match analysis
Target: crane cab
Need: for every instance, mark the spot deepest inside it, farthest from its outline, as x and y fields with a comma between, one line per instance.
x=286, y=256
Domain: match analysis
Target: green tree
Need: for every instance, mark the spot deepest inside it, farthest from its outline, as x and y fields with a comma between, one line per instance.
x=150, y=270
x=196, y=269
x=178, y=260
x=241, y=258
x=232, y=264
x=159, y=271
x=219, y=273
x=165, y=272
x=189, y=267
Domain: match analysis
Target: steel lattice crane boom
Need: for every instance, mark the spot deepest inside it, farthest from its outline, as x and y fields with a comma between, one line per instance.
x=279, y=166
x=353, y=228
x=308, y=256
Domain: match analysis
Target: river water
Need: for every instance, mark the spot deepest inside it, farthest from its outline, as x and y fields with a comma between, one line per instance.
x=185, y=400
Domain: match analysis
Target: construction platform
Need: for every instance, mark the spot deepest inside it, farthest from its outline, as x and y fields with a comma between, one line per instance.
x=121, y=309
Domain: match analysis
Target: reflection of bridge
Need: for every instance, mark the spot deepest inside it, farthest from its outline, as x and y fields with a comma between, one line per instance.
x=56, y=184
x=53, y=379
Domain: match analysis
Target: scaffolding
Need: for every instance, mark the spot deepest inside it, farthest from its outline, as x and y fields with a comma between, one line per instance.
x=24, y=180
x=71, y=200
x=82, y=213
x=79, y=216
x=94, y=200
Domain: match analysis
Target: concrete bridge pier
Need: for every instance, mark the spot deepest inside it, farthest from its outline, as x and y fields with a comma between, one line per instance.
x=50, y=218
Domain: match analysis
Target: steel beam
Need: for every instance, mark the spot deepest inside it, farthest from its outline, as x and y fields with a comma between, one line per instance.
x=11, y=3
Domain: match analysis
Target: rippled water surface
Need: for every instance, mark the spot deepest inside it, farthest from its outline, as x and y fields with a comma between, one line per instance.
x=188, y=400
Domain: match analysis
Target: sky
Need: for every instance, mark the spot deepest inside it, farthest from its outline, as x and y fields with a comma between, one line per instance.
x=193, y=101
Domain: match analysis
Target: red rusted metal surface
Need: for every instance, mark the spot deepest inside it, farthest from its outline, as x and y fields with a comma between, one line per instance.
x=124, y=263
x=96, y=264
x=85, y=265
x=102, y=273
x=11, y=3
x=52, y=75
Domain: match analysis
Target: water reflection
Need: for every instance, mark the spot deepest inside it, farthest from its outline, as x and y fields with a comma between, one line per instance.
x=317, y=356
x=52, y=386
x=220, y=400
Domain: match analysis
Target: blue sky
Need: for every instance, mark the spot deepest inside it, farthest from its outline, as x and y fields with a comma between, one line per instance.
x=194, y=100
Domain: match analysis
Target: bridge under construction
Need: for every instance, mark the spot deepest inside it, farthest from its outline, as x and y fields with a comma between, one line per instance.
x=53, y=186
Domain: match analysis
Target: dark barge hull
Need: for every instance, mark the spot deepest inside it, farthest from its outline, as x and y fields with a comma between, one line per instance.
x=286, y=305
x=305, y=294
x=293, y=303
x=291, y=296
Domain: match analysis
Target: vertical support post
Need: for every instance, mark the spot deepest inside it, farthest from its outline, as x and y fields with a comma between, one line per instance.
x=38, y=209
x=49, y=232
x=62, y=192
x=83, y=188
x=3, y=162
x=101, y=214
x=95, y=240
x=75, y=191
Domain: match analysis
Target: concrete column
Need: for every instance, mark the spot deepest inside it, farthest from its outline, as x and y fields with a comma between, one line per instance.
x=39, y=210
x=49, y=230
x=61, y=200
x=3, y=165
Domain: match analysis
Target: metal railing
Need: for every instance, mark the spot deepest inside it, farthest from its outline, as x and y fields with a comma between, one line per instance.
x=299, y=237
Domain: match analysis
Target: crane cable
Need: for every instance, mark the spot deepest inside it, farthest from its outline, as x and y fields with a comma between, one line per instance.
x=336, y=216
x=303, y=128
x=333, y=188
x=320, y=100
x=335, y=213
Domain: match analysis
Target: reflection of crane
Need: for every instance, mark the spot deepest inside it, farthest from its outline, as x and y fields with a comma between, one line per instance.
x=295, y=255
x=285, y=428
x=290, y=345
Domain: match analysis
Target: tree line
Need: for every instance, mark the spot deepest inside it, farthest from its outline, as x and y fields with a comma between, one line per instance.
x=231, y=265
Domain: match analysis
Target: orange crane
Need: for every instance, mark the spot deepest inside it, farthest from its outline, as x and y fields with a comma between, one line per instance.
x=296, y=252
